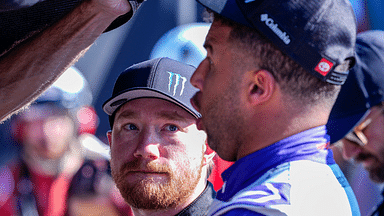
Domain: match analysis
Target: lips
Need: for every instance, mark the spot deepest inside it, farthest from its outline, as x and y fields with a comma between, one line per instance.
x=147, y=172
x=139, y=176
x=361, y=157
x=366, y=159
x=144, y=174
x=195, y=101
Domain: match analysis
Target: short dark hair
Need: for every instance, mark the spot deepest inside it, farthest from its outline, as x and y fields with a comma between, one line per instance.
x=293, y=79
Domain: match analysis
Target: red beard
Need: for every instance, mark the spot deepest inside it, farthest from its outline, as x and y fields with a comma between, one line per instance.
x=150, y=193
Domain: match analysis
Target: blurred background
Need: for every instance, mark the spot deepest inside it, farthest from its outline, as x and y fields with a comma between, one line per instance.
x=176, y=29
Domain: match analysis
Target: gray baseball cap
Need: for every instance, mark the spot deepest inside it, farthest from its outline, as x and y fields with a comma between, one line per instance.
x=162, y=78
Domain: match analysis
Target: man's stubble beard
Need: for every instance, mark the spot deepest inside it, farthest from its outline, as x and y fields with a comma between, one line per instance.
x=151, y=195
x=376, y=173
x=225, y=121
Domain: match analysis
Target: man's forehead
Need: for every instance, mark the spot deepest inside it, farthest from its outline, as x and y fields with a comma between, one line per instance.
x=218, y=32
x=153, y=107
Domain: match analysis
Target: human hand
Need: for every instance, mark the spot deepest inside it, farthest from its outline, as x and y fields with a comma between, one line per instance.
x=113, y=7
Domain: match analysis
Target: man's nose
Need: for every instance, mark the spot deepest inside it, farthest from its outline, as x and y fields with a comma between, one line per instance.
x=350, y=150
x=197, y=79
x=148, y=146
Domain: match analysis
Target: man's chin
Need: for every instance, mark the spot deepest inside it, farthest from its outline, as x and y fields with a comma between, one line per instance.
x=148, y=195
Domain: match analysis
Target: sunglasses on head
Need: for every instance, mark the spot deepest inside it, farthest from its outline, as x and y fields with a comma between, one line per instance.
x=357, y=135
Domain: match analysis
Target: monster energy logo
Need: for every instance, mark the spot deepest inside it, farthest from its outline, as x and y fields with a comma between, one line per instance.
x=177, y=82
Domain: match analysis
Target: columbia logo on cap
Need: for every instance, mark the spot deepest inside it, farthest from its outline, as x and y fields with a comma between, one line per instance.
x=275, y=28
x=324, y=66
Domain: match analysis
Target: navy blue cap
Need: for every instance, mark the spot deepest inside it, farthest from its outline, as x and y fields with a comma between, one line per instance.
x=162, y=78
x=364, y=87
x=318, y=34
x=22, y=18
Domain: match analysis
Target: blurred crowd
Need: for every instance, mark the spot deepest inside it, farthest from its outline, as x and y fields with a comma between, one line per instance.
x=60, y=167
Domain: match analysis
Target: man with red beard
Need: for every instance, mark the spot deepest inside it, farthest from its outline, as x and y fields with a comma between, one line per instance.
x=357, y=118
x=159, y=158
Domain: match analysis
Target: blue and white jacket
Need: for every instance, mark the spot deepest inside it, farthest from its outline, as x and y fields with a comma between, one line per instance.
x=295, y=176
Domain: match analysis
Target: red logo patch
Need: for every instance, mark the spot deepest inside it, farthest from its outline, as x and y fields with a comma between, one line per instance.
x=324, y=67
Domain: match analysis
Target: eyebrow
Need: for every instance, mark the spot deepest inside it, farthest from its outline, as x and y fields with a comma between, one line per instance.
x=168, y=115
x=171, y=116
x=127, y=114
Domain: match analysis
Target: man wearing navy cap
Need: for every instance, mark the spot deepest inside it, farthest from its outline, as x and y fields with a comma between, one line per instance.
x=42, y=38
x=357, y=118
x=159, y=158
x=271, y=76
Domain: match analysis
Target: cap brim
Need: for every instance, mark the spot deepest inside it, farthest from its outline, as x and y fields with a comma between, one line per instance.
x=337, y=128
x=111, y=105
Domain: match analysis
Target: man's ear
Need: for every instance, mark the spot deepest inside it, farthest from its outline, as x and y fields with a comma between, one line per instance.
x=109, y=136
x=262, y=86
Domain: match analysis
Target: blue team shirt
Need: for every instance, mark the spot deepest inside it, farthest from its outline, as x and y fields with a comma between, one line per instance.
x=295, y=176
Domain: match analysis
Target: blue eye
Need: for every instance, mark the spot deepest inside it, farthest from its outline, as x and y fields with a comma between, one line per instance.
x=172, y=128
x=130, y=127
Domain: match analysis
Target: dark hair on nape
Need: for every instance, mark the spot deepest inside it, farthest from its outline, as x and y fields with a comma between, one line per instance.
x=293, y=79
